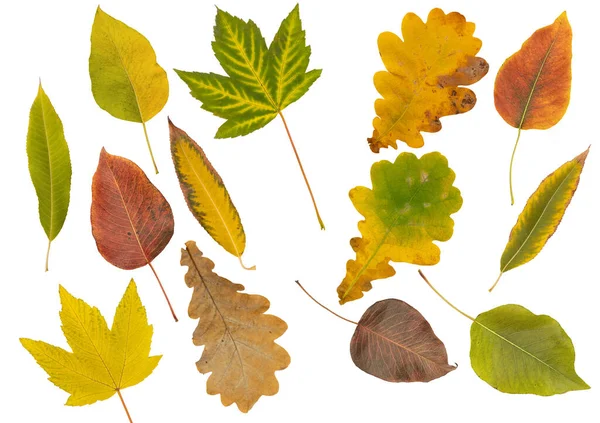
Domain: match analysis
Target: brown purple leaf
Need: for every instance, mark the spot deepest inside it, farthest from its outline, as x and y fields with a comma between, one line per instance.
x=394, y=342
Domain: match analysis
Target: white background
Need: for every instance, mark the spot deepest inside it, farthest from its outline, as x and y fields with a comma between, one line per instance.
x=50, y=39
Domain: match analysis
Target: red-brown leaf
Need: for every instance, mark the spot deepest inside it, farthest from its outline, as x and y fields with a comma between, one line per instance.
x=131, y=220
x=394, y=342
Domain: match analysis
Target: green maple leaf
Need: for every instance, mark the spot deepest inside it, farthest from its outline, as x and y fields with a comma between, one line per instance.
x=261, y=81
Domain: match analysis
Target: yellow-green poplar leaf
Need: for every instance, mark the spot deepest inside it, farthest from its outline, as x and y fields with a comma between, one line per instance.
x=518, y=352
x=206, y=195
x=408, y=208
x=542, y=214
x=49, y=165
x=260, y=83
x=127, y=81
x=104, y=361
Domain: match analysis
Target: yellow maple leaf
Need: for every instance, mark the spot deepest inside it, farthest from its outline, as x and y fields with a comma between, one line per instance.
x=104, y=361
x=423, y=75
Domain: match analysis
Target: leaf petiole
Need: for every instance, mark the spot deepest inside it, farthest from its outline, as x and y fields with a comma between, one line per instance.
x=329, y=310
x=149, y=147
x=512, y=159
x=496, y=283
x=443, y=298
x=312, y=197
x=48, y=254
x=124, y=406
x=164, y=292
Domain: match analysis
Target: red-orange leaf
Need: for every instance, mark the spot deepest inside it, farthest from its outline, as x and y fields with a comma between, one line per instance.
x=394, y=342
x=131, y=220
x=533, y=86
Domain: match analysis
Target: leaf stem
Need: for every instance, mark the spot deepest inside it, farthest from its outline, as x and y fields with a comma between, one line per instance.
x=244, y=266
x=149, y=147
x=496, y=283
x=512, y=159
x=124, y=406
x=329, y=310
x=312, y=197
x=445, y=300
x=48, y=254
x=164, y=292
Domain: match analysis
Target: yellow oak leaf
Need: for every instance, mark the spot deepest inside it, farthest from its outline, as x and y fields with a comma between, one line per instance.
x=104, y=361
x=423, y=75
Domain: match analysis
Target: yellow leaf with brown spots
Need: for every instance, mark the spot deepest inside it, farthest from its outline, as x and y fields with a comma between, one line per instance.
x=408, y=208
x=423, y=75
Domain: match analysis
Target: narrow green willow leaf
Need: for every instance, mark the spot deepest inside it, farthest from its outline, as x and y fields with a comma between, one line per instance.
x=518, y=352
x=542, y=214
x=261, y=81
x=127, y=81
x=49, y=165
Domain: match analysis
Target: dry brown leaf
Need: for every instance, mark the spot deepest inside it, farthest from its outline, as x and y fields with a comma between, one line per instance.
x=239, y=339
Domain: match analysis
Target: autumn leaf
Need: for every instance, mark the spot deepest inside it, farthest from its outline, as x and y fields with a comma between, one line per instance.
x=49, y=165
x=423, y=78
x=104, y=361
x=131, y=220
x=393, y=341
x=239, y=339
x=518, y=352
x=205, y=194
x=408, y=208
x=127, y=81
x=542, y=214
x=533, y=86
x=261, y=81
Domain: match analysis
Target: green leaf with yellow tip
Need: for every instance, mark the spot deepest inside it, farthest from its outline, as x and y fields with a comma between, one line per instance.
x=49, y=165
x=127, y=81
x=542, y=214
x=104, y=361
x=518, y=352
x=408, y=208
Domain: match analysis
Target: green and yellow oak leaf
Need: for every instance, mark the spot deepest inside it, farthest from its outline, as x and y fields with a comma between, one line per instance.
x=261, y=81
x=104, y=361
x=408, y=208
x=423, y=75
